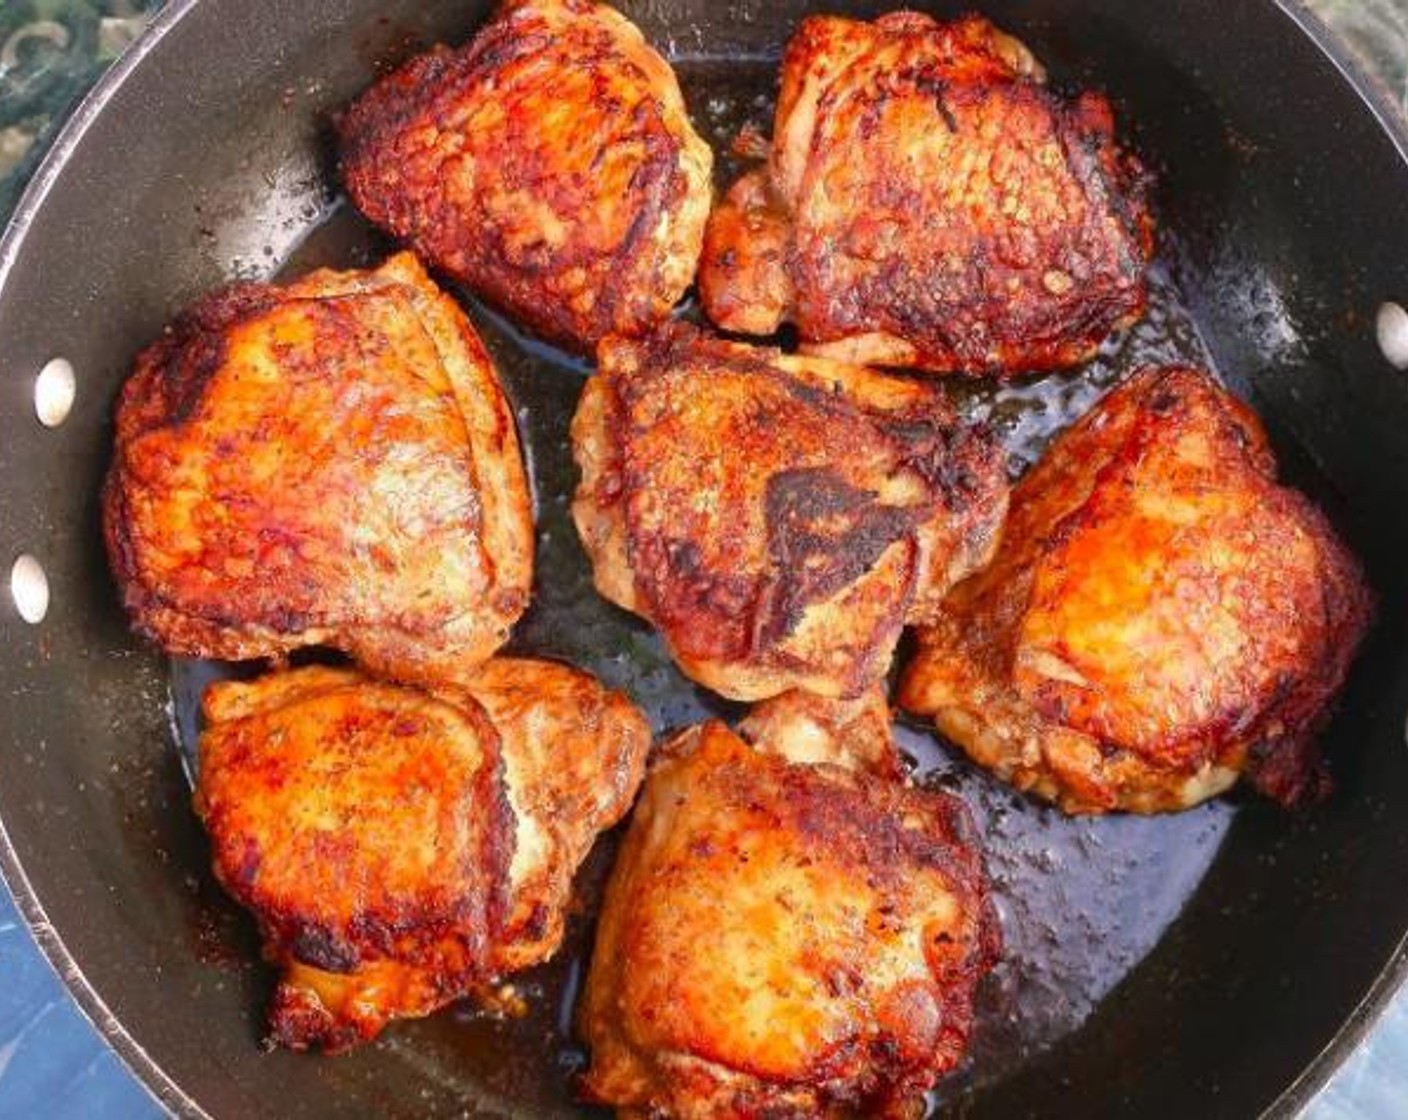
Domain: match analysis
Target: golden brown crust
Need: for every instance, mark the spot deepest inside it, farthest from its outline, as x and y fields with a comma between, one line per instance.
x=330, y=462
x=778, y=518
x=932, y=204
x=1161, y=615
x=783, y=940
x=362, y=824
x=549, y=163
x=401, y=849
x=574, y=757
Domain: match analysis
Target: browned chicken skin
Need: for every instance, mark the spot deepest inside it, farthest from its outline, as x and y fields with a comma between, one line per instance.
x=778, y=518
x=930, y=203
x=401, y=849
x=784, y=938
x=573, y=757
x=549, y=164
x=1161, y=616
x=330, y=462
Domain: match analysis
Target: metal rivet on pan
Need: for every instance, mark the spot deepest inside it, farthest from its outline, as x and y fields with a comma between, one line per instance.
x=29, y=587
x=53, y=392
x=1392, y=328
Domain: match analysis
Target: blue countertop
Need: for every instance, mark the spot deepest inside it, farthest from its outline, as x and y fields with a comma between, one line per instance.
x=52, y=1062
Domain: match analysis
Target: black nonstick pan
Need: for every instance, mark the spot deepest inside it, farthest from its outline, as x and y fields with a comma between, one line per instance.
x=1217, y=963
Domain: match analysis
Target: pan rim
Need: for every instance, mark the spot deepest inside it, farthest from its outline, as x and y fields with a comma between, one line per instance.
x=144, y=1068
x=1292, y=1101
x=1393, y=977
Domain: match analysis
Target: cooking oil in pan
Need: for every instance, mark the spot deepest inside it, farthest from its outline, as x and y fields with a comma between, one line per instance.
x=1082, y=901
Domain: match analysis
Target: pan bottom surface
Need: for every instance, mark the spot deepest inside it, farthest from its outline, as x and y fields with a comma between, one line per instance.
x=1082, y=901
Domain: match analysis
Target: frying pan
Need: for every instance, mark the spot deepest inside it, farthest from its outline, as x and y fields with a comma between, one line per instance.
x=1221, y=962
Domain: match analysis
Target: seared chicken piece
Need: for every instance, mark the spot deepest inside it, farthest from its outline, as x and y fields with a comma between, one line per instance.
x=549, y=164
x=779, y=519
x=331, y=462
x=401, y=849
x=573, y=758
x=783, y=939
x=805, y=728
x=1161, y=616
x=929, y=202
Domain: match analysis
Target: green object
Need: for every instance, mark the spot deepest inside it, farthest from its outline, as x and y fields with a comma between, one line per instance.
x=51, y=52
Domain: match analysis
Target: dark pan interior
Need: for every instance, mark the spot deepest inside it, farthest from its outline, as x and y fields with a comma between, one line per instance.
x=1155, y=967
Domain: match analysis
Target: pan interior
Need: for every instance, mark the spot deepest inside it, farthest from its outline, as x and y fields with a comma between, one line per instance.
x=1152, y=966
x=1082, y=901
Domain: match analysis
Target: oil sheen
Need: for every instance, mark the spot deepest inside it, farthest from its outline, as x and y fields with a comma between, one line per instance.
x=1082, y=901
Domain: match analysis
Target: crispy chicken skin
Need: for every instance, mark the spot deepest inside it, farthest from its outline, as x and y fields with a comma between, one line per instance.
x=779, y=519
x=401, y=849
x=1160, y=618
x=783, y=939
x=573, y=758
x=930, y=203
x=330, y=462
x=549, y=164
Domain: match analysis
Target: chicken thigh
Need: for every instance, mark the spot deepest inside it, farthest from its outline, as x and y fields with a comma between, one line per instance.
x=784, y=938
x=802, y=727
x=401, y=849
x=1161, y=616
x=779, y=519
x=549, y=164
x=930, y=202
x=330, y=462
x=573, y=758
